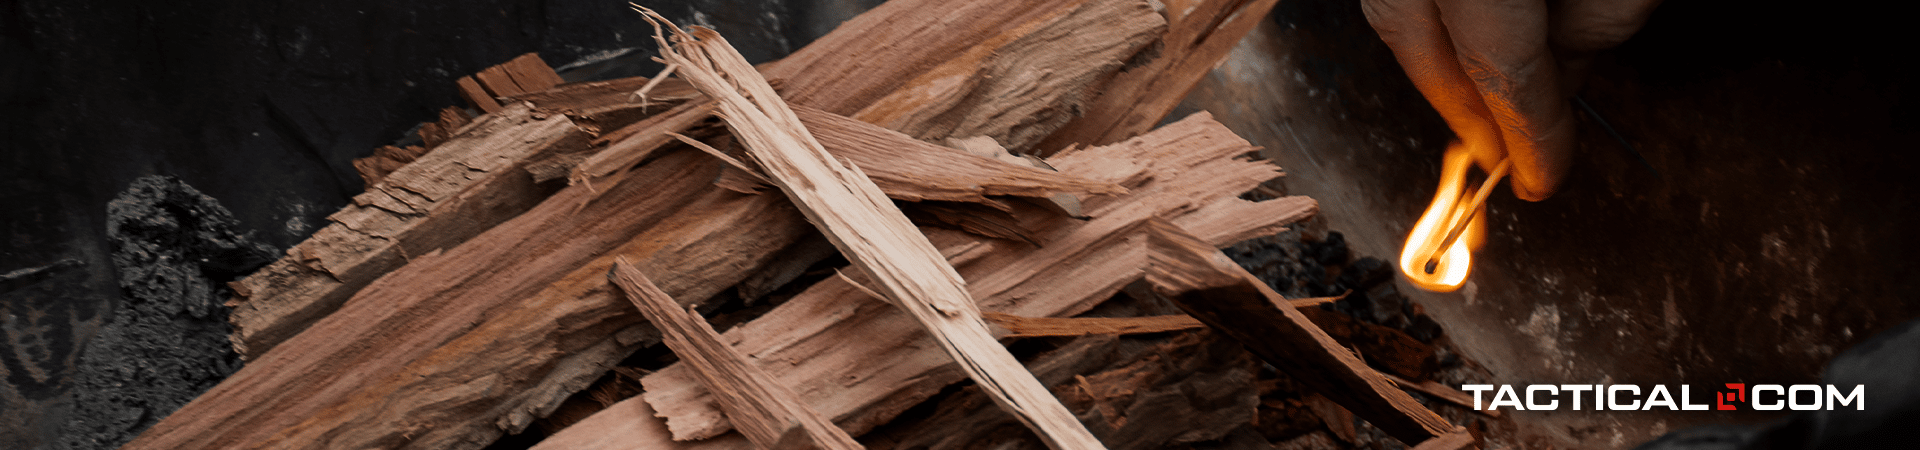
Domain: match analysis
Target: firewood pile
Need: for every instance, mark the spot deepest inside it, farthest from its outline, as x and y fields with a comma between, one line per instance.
x=987, y=170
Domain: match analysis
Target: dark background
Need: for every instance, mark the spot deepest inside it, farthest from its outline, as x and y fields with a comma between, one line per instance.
x=1771, y=231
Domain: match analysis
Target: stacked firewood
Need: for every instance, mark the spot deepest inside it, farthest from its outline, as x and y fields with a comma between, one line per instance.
x=494, y=272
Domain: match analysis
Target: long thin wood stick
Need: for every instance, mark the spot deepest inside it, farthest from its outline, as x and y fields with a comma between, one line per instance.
x=866, y=226
x=767, y=412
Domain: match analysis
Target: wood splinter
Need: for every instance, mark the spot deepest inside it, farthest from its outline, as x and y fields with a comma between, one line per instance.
x=767, y=412
x=866, y=226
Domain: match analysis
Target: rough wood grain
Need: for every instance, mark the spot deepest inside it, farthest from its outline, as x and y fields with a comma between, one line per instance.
x=1204, y=282
x=1037, y=75
x=1199, y=33
x=913, y=170
x=861, y=362
x=876, y=53
x=459, y=401
x=609, y=105
x=769, y=414
x=859, y=219
x=630, y=425
x=400, y=319
x=475, y=95
x=520, y=75
x=1187, y=388
x=1012, y=326
x=465, y=186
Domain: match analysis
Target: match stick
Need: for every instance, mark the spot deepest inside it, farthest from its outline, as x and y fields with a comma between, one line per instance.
x=1472, y=212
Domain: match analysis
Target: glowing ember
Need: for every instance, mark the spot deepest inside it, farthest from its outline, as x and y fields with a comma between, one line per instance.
x=1452, y=204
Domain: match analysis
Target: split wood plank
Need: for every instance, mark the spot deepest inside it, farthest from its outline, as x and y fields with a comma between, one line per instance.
x=1199, y=34
x=522, y=74
x=476, y=95
x=403, y=317
x=866, y=226
x=768, y=413
x=1042, y=71
x=1021, y=327
x=465, y=186
x=855, y=359
x=1204, y=282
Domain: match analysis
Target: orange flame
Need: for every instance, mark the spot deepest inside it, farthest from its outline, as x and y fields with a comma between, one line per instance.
x=1448, y=208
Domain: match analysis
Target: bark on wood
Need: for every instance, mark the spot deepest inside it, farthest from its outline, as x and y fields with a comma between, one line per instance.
x=1041, y=72
x=1212, y=288
x=859, y=219
x=860, y=362
x=1199, y=33
x=467, y=185
x=768, y=413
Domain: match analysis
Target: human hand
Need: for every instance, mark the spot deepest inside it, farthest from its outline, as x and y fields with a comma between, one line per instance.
x=1501, y=72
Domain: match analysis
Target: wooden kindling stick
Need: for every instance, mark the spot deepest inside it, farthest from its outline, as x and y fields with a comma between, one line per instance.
x=768, y=413
x=865, y=226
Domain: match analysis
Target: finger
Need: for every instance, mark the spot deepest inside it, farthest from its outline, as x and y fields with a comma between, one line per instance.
x=1420, y=43
x=1502, y=47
